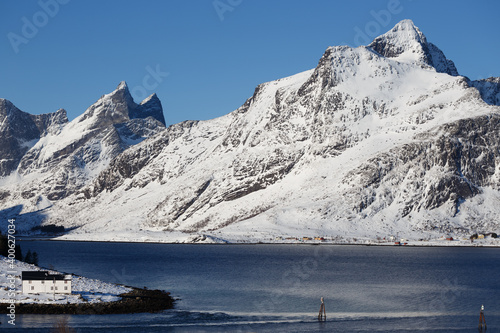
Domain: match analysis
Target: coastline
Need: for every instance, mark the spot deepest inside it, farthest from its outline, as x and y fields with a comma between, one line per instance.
x=136, y=301
x=431, y=243
x=88, y=296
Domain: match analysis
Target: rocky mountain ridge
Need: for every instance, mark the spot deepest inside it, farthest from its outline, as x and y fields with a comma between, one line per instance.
x=54, y=157
x=377, y=140
x=19, y=129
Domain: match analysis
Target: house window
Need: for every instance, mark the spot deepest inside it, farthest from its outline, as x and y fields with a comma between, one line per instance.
x=29, y=281
x=51, y=288
x=65, y=288
x=65, y=281
x=32, y=287
x=43, y=282
x=56, y=288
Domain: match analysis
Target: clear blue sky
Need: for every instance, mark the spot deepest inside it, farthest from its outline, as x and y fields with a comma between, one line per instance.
x=215, y=52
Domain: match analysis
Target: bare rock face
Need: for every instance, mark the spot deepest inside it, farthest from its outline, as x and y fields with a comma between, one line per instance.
x=445, y=166
x=150, y=107
x=489, y=89
x=20, y=130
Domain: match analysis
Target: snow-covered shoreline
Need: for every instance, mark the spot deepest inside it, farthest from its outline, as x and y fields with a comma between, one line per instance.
x=84, y=290
x=210, y=239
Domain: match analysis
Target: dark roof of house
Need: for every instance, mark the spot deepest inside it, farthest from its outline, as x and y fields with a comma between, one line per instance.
x=41, y=275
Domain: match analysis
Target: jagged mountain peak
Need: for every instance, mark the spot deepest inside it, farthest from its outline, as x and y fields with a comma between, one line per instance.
x=69, y=153
x=406, y=43
x=405, y=24
x=123, y=92
x=122, y=95
x=370, y=142
x=19, y=131
x=152, y=97
x=6, y=105
x=404, y=37
x=406, y=33
x=122, y=85
x=149, y=107
x=390, y=56
x=112, y=108
x=407, y=28
x=15, y=120
x=20, y=123
x=119, y=106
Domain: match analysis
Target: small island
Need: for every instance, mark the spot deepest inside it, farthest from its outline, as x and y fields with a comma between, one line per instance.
x=85, y=296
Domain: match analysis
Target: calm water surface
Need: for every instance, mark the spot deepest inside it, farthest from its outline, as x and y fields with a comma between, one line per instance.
x=277, y=288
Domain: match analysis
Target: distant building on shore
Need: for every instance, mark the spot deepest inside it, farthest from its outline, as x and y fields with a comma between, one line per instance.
x=44, y=282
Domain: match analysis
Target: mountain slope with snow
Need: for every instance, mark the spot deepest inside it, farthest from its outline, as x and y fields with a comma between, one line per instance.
x=377, y=140
x=60, y=157
x=489, y=89
x=20, y=130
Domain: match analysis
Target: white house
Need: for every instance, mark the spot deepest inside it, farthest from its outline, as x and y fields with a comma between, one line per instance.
x=43, y=282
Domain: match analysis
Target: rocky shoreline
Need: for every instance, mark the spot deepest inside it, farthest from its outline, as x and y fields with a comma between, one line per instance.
x=136, y=301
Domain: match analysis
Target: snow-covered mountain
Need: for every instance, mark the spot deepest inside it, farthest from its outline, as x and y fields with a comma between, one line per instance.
x=378, y=140
x=51, y=158
x=20, y=130
x=489, y=89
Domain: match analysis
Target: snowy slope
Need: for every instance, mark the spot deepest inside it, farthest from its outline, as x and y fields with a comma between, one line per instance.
x=384, y=139
x=65, y=156
x=19, y=131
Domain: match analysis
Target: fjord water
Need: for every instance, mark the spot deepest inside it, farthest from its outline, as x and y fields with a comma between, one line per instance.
x=277, y=288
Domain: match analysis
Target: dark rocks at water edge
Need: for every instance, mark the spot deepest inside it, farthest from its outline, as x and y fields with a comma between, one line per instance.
x=136, y=301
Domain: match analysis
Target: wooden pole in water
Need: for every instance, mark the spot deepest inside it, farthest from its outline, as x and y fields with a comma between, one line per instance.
x=322, y=310
x=482, y=320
